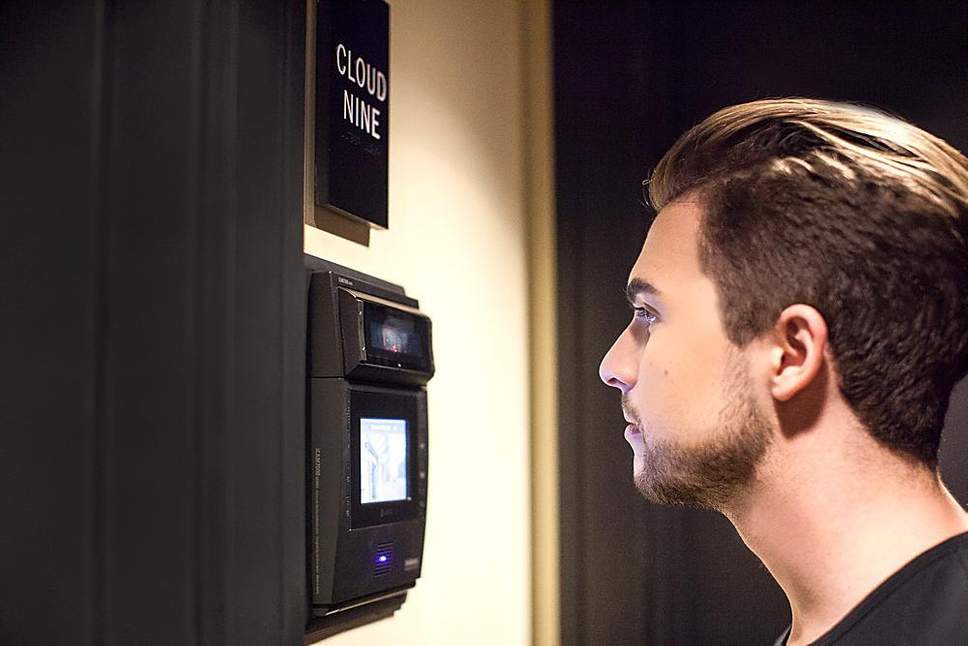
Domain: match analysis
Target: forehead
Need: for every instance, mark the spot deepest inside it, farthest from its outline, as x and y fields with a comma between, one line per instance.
x=670, y=251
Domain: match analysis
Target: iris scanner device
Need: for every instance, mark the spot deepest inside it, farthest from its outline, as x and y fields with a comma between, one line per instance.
x=369, y=360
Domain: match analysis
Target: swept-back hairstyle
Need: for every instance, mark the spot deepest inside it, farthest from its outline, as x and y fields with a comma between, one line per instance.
x=855, y=212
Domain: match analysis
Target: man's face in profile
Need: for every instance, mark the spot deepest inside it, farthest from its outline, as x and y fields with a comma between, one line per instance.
x=696, y=430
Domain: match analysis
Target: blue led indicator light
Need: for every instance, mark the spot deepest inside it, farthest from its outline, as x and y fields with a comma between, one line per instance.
x=382, y=559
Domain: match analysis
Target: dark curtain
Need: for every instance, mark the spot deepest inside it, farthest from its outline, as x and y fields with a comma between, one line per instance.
x=151, y=421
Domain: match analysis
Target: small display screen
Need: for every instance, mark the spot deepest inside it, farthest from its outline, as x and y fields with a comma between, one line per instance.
x=395, y=334
x=383, y=460
x=396, y=338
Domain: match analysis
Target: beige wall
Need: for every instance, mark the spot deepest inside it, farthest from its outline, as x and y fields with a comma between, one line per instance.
x=458, y=242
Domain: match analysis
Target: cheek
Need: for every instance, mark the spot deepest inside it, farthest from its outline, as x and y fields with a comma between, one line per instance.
x=680, y=390
x=658, y=397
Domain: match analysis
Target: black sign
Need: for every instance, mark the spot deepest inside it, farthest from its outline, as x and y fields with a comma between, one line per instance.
x=353, y=107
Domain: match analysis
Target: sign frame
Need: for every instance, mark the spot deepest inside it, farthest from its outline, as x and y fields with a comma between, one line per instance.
x=352, y=126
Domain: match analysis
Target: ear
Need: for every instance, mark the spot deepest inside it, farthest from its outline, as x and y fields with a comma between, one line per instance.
x=798, y=343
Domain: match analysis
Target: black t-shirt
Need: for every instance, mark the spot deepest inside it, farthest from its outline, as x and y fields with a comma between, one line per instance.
x=923, y=603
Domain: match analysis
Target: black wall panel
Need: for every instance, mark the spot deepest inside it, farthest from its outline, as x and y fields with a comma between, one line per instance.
x=630, y=77
x=48, y=288
x=152, y=412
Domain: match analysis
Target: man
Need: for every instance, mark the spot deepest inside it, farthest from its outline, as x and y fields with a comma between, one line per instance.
x=800, y=319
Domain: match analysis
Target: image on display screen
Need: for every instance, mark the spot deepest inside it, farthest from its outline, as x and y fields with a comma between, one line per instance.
x=383, y=460
x=396, y=335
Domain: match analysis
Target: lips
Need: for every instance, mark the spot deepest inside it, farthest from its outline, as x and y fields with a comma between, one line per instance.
x=627, y=414
x=633, y=435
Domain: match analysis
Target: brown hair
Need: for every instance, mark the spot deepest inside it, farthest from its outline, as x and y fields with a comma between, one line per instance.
x=855, y=212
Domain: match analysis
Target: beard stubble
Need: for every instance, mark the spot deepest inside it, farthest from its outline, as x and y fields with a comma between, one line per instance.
x=711, y=474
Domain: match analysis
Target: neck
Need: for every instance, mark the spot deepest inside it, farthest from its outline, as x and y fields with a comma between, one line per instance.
x=831, y=537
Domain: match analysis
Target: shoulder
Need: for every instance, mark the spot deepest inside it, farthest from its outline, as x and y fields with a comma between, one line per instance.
x=924, y=602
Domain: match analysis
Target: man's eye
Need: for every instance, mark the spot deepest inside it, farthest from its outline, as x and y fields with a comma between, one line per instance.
x=644, y=314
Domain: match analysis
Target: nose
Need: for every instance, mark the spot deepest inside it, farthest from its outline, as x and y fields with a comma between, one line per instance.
x=619, y=368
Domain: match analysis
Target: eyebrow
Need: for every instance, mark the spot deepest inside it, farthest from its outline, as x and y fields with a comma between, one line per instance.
x=638, y=286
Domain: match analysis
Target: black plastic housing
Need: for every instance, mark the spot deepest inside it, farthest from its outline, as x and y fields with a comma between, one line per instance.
x=369, y=357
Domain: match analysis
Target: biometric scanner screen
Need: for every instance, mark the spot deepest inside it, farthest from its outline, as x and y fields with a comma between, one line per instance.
x=394, y=334
x=383, y=460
